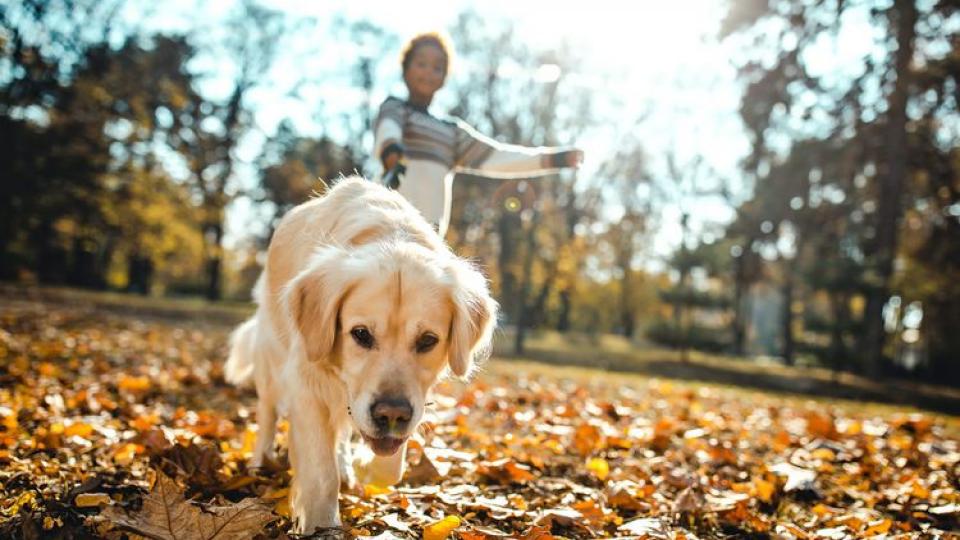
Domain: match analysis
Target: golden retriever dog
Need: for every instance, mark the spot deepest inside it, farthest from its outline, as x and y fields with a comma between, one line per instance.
x=361, y=308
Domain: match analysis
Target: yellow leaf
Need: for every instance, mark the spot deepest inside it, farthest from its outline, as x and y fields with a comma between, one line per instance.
x=125, y=453
x=440, y=530
x=88, y=500
x=824, y=454
x=918, y=491
x=764, y=489
x=517, y=501
x=249, y=439
x=275, y=494
x=283, y=507
x=599, y=467
x=26, y=499
x=822, y=510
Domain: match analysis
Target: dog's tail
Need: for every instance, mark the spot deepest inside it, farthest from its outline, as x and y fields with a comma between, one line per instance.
x=239, y=367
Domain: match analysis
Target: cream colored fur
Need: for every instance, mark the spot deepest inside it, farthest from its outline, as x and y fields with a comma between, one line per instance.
x=359, y=259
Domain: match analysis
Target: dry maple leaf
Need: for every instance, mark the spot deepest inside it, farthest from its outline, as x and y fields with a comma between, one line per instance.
x=166, y=515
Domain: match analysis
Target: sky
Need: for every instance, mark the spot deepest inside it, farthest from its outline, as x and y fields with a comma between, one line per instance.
x=646, y=57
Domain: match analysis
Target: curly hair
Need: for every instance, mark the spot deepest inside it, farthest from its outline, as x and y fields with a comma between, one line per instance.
x=427, y=38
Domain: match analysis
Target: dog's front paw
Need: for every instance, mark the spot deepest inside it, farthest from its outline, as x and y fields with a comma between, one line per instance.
x=310, y=514
x=304, y=526
x=348, y=478
x=326, y=533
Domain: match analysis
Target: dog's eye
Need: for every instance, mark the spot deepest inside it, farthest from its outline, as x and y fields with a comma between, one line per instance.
x=363, y=337
x=426, y=342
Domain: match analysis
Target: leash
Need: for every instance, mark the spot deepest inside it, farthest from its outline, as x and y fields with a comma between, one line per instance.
x=391, y=179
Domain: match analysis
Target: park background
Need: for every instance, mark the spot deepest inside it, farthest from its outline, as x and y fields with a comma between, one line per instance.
x=770, y=199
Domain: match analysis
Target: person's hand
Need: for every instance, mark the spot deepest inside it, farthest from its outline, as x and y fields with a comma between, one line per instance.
x=574, y=158
x=390, y=160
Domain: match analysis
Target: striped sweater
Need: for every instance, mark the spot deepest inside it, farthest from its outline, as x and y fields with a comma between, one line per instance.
x=434, y=149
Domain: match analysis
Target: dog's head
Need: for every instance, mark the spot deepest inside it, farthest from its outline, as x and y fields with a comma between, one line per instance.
x=387, y=319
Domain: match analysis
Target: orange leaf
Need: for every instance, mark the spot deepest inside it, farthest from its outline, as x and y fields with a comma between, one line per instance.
x=78, y=429
x=877, y=527
x=821, y=425
x=134, y=384
x=587, y=439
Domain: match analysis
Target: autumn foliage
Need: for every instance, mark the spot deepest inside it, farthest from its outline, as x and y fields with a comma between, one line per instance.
x=117, y=426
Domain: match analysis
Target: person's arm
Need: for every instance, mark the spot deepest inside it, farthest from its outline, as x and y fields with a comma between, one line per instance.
x=388, y=133
x=478, y=152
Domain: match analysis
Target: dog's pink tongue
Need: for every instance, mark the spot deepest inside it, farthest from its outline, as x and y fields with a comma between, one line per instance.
x=385, y=446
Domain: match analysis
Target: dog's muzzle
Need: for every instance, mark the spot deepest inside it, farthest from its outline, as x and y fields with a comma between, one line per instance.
x=391, y=415
x=391, y=418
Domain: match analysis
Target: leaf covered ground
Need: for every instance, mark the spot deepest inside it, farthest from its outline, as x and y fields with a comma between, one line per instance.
x=120, y=427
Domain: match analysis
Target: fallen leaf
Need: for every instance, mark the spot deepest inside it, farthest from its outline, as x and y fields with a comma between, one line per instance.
x=87, y=500
x=764, y=489
x=393, y=521
x=440, y=530
x=646, y=527
x=797, y=478
x=599, y=467
x=134, y=384
x=945, y=510
x=166, y=515
x=587, y=439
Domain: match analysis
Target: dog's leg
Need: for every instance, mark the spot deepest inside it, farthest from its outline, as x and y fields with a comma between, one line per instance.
x=313, y=456
x=382, y=471
x=266, y=419
x=348, y=480
x=266, y=431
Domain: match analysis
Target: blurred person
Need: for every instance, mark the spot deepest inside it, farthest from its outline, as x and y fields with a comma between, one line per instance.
x=420, y=152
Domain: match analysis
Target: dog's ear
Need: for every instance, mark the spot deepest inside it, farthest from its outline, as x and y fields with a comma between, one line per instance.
x=313, y=300
x=474, y=319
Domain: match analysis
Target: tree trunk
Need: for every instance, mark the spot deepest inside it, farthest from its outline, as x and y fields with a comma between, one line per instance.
x=739, y=310
x=787, y=318
x=841, y=319
x=214, y=260
x=891, y=181
x=522, y=308
x=563, y=319
x=51, y=263
x=680, y=314
x=626, y=295
x=507, y=226
x=540, y=304
x=139, y=274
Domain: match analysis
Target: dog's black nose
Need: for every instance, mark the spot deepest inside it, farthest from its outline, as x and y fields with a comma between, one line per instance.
x=392, y=413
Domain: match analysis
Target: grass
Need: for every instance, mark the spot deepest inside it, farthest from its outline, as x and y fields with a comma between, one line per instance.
x=227, y=312
x=619, y=355
x=599, y=354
